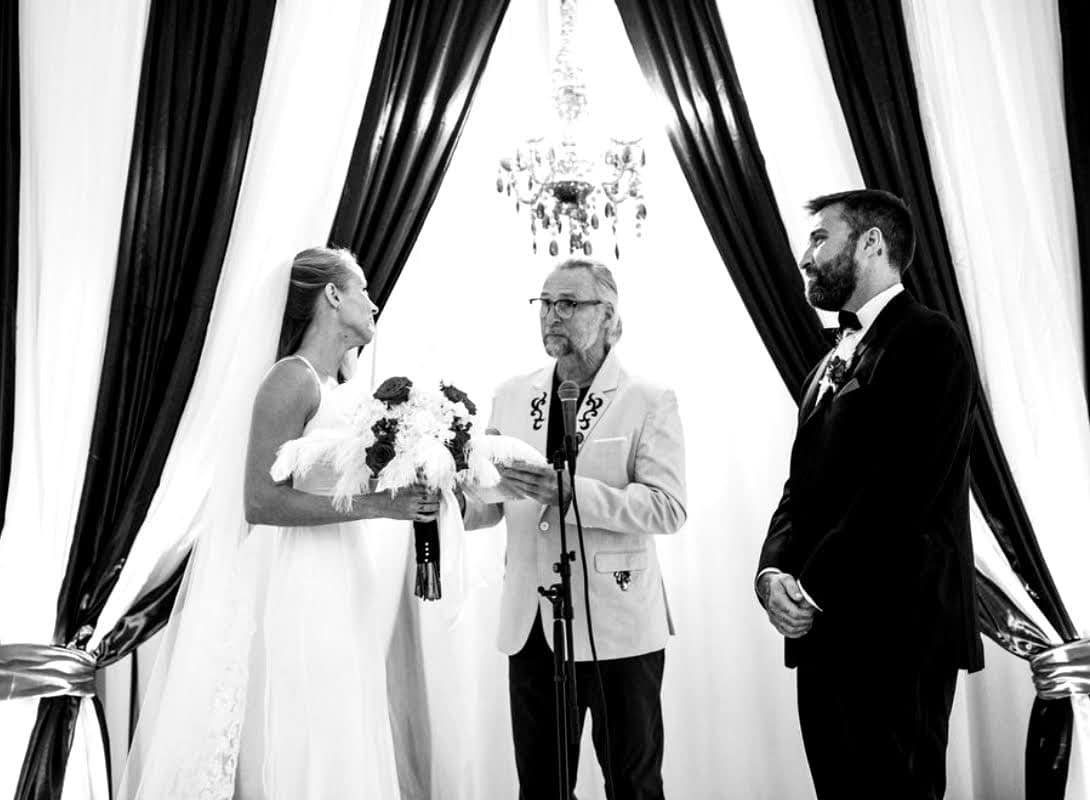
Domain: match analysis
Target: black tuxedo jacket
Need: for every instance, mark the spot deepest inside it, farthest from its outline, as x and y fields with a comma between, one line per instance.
x=874, y=518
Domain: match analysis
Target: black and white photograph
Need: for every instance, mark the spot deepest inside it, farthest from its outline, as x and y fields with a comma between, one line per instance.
x=544, y=400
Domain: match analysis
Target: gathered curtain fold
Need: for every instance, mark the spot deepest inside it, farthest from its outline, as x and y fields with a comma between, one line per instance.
x=201, y=72
x=79, y=84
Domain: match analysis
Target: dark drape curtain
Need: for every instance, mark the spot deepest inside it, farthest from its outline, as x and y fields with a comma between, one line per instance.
x=429, y=62
x=9, y=233
x=1074, y=28
x=683, y=52
x=202, y=68
x=868, y=53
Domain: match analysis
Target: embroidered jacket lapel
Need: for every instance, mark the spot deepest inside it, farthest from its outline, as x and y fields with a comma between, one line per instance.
x=599, y=397
x=538, y=397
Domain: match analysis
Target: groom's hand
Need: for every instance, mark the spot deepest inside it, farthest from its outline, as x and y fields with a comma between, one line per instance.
x=788, y=610
x=533, y=482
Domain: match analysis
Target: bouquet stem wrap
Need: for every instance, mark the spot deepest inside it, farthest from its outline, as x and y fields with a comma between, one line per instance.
x=426, y=538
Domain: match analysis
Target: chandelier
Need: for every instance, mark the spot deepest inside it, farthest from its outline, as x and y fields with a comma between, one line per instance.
x=571, y=184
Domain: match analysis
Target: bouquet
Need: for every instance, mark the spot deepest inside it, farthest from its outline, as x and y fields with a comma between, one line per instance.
x=401, y=436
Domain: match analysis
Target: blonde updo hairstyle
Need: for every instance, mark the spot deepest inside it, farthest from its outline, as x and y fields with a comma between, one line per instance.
x=311, y=271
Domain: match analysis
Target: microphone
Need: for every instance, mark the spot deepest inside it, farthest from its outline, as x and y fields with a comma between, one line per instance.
x=568, y=392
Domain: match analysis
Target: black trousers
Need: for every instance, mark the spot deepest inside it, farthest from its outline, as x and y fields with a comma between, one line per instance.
x=876, y=731
x=632, y=693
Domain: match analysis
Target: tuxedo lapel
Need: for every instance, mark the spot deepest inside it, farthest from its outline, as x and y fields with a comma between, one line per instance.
x=809, y=399
x=869, y=346
x=891, y=315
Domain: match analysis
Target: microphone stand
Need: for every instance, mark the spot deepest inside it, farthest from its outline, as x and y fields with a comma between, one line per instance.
x=559, y=594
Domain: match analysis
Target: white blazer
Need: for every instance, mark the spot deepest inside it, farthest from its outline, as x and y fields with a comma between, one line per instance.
x=630, y=485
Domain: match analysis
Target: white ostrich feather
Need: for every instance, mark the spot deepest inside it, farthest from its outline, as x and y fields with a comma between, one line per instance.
x=435, y=463
x=481, y=471
x=299, y=456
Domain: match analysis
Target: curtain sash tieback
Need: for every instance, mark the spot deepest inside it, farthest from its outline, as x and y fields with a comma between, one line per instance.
x=42, y=670
x=1062, y=671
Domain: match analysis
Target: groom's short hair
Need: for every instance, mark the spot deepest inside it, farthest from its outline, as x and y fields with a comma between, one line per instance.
x=864, y=209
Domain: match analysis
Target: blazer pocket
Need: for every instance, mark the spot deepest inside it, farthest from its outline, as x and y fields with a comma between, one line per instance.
x=606, y=460
x=629, y=561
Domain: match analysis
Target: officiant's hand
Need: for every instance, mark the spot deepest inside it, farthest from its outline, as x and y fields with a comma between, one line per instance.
x=788, y=610
x=533, y=482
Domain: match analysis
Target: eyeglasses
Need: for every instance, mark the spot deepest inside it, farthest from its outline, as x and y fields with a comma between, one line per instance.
x=564, y=308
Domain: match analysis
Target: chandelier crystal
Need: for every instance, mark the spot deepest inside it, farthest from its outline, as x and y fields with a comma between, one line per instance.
x=572, y=184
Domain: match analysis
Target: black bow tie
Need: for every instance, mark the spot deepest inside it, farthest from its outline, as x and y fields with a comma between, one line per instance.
x=849, y=321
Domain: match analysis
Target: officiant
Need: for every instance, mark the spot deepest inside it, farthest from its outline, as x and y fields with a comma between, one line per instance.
x=630, y=487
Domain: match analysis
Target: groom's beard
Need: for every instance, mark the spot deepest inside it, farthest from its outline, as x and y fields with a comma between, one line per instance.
x=830, y=285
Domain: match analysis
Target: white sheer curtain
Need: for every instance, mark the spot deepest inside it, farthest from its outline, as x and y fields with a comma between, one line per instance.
x=992, y=106
x=79, y=73
x=317, y=72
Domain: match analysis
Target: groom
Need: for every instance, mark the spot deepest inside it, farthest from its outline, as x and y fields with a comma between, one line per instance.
x=867, y=568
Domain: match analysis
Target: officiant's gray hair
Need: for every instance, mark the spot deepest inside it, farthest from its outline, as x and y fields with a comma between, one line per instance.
x=607, y=291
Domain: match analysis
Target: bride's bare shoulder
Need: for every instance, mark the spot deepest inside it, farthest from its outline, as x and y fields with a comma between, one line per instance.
x=288, y=382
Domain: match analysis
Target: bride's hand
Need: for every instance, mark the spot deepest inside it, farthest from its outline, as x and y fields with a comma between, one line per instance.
x=414, y=503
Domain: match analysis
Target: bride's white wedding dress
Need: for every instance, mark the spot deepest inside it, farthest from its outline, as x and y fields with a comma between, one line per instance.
x=275, y=680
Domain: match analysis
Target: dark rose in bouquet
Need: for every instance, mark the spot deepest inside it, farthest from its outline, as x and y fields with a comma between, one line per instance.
x=461, y=427
x=456, y=395
x=457, y=446
x=394, y=391
x=384, y=449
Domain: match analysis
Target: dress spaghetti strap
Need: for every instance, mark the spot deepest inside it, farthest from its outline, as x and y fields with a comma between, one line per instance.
x=310, y=368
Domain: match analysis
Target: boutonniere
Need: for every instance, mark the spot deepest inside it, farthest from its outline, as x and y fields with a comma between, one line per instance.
x=836, y=371
x=839, y=366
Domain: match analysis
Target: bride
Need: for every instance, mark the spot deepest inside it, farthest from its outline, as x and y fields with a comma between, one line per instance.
x=271, y=678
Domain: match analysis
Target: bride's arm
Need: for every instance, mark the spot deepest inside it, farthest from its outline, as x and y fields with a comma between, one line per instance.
x=285, y=402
